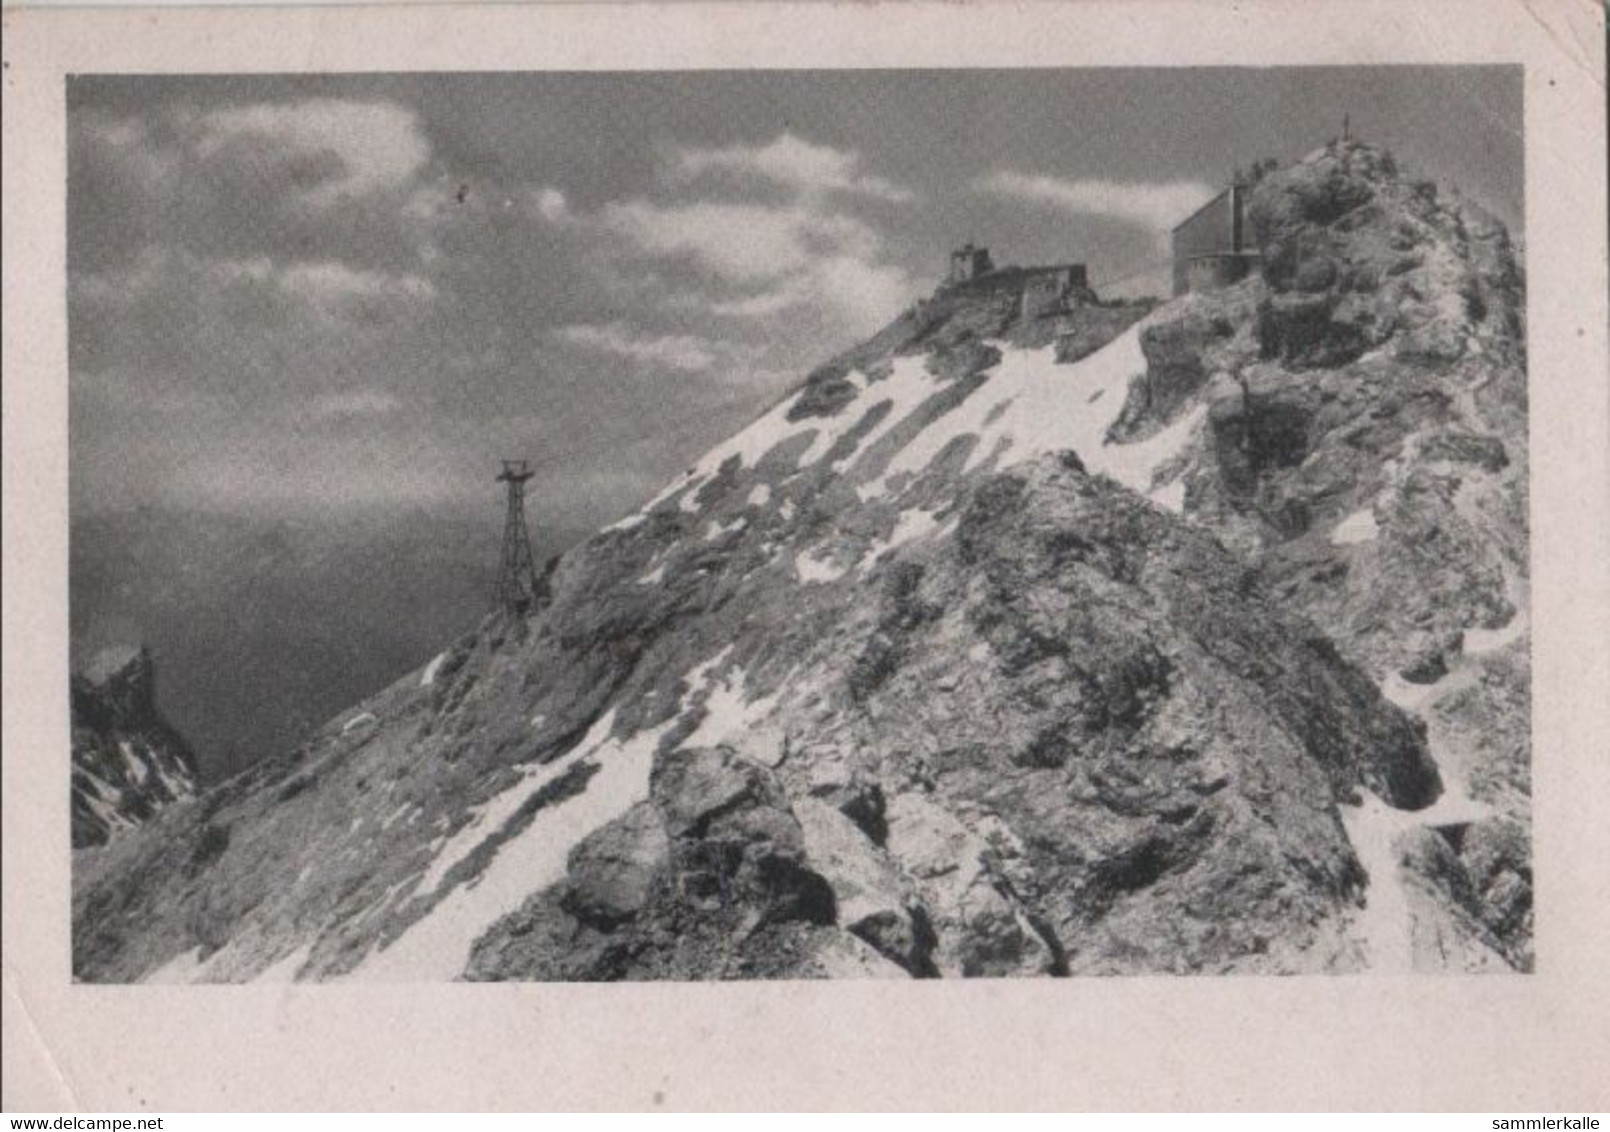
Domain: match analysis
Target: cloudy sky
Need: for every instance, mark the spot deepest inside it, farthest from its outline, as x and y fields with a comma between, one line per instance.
x=301, y=295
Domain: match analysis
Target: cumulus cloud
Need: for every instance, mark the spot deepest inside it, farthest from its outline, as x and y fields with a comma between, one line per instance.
x=861, y=295
x=1156, y=206
x=683, y=352
x=740, y=241
x=338, y=178
x=326, y=285
x=236, y=332
x=866, y=295
x=551, y=205
x=143, y=160
x=375, y=145
x=752, y=255
x=761, y=305
x=331, y=282
x=792, y=162
x=766, y=258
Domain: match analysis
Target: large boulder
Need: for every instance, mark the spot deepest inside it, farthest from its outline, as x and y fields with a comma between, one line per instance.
x=613, y=872
x=874, y=901
x=979, y=930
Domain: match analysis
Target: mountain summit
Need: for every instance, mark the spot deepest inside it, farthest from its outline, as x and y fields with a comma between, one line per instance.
x=1036, y=635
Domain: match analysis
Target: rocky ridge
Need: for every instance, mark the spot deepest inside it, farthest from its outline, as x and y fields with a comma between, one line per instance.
x=1107, y=640
x=128, y=762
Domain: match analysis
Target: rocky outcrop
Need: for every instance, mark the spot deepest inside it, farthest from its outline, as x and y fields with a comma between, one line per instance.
x=1365, y=447
x=709, y=879
x=128, y=762
x=1135, y=765
x=1006, y=646
x=1355, y=256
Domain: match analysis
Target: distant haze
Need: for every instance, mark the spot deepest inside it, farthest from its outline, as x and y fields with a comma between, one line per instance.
x=315, y=307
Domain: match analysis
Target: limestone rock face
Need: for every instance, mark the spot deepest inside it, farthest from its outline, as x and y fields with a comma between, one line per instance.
x=1019, y=641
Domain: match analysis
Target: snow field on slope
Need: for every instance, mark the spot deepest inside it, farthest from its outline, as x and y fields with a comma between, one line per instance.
x=908, y=385
x=428, y=677
x=189, y=968
x=491, y=815
x=1039, y=405
x=749, y=446
x=437, y=947
x=727, y=713
x=1375, y=830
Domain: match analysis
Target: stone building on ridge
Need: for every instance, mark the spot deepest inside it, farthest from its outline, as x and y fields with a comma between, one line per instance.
x=1042, y=290
x=968, y=263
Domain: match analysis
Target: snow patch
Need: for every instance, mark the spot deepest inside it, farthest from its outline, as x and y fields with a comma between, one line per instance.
x=912, y=525
x=134, y=767
x=109, y=661
x=654, y=577
x=357, y=721
x=1406, y=695
x=689, y=503
x=94, y=786
x=730, y=718
x=1170, y=497
x=813, y=568
x=392, y=817
x=103, y=799
x=428, y=677
x=1480, y=640
x=717, y=529
x=699, y=675
x=178, y=785
x=108, y=814
x=1358, y=527
x=759, y=495
x=727, y=714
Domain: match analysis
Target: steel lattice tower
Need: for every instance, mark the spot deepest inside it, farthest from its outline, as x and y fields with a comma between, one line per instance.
x=517, y=575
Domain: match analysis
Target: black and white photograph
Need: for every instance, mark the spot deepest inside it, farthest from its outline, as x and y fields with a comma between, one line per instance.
x=898, y=524
x=1028, y=555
